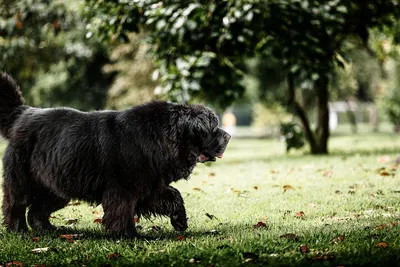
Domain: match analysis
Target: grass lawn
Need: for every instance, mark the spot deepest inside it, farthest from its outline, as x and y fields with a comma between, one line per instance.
x=257, y=206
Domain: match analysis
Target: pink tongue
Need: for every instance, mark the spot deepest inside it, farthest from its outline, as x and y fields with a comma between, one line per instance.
x=202, y=157
x=220, y=156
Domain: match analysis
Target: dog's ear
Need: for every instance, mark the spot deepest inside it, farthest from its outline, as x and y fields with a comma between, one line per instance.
x=194, y=123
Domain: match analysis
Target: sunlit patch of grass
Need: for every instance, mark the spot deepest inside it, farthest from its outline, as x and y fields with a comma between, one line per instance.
x=338, y=208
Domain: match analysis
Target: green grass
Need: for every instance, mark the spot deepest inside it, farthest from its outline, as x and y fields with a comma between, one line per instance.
x=340, y=195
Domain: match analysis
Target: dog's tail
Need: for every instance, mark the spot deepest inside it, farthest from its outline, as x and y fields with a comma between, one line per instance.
x=11, y=103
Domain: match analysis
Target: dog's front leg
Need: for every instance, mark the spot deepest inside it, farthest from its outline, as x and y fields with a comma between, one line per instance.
x=167, y=202
x=119, y=210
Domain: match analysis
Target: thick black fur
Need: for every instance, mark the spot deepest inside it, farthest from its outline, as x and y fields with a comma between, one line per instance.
x=124, y=160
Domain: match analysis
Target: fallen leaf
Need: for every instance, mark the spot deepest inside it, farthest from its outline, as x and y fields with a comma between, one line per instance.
x=113, y=256
x=289, y=236
x=382, y=245
x=210, y=216
x=338, y=239
x=383, y=159
x=97, y=213
x=249, y=257
x=41, y=250
x=35, y=239
x=180, y=237
x=230, y=239
x=287, y=187
x=98, y=220
x=384, y=173
x=211, y=174
x=312, y=205
x=303, y=249
x=255, y=187
x=382, y=226
x=70, y=237
x=300, y=214
x=259, y=225
x=194, y=260
x=328, y=174
x=197, y=189
x=14, y=263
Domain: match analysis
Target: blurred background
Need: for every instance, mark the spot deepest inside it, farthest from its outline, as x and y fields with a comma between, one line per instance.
x=300, y=71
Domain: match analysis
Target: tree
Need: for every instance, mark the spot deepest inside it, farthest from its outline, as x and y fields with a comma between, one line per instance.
x=199, y=46
x=43, y=44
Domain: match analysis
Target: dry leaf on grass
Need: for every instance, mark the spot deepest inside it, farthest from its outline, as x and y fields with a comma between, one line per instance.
x=289, y=236
x=194, y=260
x=210, y=216
x=383, y=159
x=287, y=187
x=259, y=225
x=97, y=213
x=338, y=239
x=70, y=237
x=249, y=257
x=197, y=189
x=382, y=245
x=46, y=249
x=35, y=239
x=113, y=256
x=300, y=214
x=14, y=263
x=180, y=237
x=98, y=220
x=328, y=174
x=303, y=249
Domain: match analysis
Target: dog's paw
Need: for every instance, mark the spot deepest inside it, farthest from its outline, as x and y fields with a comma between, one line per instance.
x=179, y=223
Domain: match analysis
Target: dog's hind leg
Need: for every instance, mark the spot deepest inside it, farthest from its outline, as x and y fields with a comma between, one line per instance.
x=169, y=203
x=119, y=209
x=13, y=211
x=16, y=190
x=43, y=203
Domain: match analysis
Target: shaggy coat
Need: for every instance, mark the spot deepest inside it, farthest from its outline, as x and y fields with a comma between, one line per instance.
x=124, y=160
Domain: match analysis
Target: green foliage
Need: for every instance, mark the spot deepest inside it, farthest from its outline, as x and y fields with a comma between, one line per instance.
x=293, y=134
x=43, y=45
x=133, y=83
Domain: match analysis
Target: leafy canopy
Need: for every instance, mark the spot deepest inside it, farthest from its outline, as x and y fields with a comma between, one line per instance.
x=199, y=46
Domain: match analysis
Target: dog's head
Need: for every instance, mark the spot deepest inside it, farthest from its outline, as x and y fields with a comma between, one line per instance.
x=204, y=134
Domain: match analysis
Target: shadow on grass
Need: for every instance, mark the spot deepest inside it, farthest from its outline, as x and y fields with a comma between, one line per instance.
x=257, y=248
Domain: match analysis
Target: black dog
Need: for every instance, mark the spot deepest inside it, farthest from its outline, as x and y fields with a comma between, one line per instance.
x=123, y=160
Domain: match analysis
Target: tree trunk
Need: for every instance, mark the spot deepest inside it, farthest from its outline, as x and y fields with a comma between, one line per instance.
x=318, y=141
x=301, y=113
x=322, y=130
